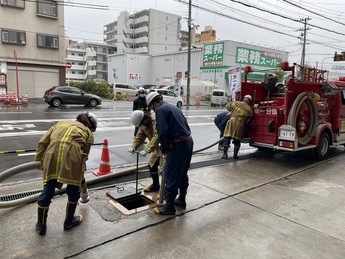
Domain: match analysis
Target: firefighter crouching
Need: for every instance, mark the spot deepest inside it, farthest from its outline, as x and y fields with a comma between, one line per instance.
x=240, y=112
x=147, y=129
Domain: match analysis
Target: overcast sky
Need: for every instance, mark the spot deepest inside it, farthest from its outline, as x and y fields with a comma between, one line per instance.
x=270, y=23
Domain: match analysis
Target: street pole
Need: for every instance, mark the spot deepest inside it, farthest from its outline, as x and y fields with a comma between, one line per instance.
x=189, y=50
x=323, y=61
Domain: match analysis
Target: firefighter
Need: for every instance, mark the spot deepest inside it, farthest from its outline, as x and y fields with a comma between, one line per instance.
x=140, y=104
x=220, y=121
x=240, y=112
x=147, y=129
x=63, y=151
x=177, y=146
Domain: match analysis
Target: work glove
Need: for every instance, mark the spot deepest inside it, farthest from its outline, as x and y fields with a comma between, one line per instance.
x=143, y=153
x=131, y=150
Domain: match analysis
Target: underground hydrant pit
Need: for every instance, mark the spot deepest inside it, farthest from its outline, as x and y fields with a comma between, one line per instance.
x=129, y=202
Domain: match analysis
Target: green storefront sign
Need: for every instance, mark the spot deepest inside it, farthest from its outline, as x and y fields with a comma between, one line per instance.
x=213, y=54
x=257, y=57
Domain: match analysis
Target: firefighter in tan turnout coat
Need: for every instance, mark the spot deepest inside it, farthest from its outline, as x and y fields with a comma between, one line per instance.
x=240, y=112
x=63, y=151
x=147, y=129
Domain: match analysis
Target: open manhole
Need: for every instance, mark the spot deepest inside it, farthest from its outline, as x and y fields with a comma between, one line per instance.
x=129, y=202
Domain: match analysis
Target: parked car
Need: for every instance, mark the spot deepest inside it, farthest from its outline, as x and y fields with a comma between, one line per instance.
x=219, y=97
x=59, y=95
x=169, y=97
x=124, y=90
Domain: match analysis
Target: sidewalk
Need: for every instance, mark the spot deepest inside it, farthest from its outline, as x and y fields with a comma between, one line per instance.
x=234, y=210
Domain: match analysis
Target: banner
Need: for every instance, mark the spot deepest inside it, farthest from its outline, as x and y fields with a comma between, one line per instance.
x=235, y=79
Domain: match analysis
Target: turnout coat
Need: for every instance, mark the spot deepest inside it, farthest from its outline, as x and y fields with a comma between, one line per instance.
x=152, y=148
x=240, y=112
x=63, y=151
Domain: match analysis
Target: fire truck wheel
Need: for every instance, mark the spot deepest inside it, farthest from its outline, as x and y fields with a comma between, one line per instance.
x=321, y=151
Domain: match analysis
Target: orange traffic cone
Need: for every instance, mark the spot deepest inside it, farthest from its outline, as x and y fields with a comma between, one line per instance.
x=104, y=167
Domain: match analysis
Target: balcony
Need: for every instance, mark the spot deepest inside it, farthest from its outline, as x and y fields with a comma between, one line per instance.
x=141, y=40
x=141, y=50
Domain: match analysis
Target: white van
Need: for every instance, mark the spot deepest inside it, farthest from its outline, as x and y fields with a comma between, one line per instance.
x=219, y=97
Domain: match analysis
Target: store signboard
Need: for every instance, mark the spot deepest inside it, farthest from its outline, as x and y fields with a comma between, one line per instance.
x=255, y=57
x=213, y=54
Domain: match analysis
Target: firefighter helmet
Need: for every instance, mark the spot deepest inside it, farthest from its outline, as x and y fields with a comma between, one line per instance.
x=249, y=97
x=93, y=119
x=151, y=96
x=136, y=117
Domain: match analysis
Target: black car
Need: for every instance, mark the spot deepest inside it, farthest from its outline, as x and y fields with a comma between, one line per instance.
x=58, y=95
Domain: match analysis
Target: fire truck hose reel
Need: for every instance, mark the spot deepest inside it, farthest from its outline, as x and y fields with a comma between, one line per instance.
x=313, y=115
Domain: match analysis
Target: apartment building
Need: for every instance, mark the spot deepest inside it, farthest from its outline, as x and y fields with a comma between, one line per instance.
x=184, y=37
x=32, y=46
x=148, y=31
x=89, y=61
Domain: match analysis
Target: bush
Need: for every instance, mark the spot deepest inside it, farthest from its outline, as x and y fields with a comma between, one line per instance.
x=92, y=87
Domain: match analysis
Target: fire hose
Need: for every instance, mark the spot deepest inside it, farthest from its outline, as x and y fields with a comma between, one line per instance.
x=84, y=192
x=313, y=115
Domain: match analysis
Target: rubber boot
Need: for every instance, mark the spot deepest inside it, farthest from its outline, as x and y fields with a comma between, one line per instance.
x=154, y=187
x=181, y=200
x=236, y=149
x=41, y=225
x=225, y=152
x=168, y=208
x=71, y=220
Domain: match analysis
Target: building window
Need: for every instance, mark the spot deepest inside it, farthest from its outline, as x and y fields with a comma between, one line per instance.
x=14, y=3
x=167, y=18
x=166, y=48
x=46, y=41
x=13, y=37
x=166, y=28
x=47, y=7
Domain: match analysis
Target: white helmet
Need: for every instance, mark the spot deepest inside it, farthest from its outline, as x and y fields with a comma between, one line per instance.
x=150, y=97
x=136, y=117
x=248, y=97
x=93, y=119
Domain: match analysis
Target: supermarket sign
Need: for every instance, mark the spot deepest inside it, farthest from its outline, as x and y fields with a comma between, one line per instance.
x=257, y=57
x=213, y=54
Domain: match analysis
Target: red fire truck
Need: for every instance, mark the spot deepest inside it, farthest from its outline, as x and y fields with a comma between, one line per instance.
x=305, y=112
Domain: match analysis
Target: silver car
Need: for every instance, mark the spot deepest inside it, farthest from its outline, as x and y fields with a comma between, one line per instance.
x=59, y=95
x=169, y=97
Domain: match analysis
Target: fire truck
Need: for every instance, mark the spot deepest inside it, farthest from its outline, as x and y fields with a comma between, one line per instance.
x=305, y=112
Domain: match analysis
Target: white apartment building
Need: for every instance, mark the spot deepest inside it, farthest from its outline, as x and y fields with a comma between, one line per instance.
x=32, y=46
x=89, y=61
x=148, y=31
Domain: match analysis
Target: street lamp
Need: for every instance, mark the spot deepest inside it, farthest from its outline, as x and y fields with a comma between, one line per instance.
x=323, y=61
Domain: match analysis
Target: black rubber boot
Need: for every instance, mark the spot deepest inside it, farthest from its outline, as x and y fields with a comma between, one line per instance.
x=225, y=152
x=236, y=149
x=168, y=208
x=71, y=220
x=154, y=187
x=181, y=200
x=41, y=225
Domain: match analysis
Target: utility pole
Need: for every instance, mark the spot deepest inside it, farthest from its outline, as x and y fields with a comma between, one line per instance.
x=189, y=50
x=303, y=37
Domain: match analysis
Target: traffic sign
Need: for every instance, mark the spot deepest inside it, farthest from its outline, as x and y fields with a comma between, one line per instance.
x=339, y=57
x=68, y=64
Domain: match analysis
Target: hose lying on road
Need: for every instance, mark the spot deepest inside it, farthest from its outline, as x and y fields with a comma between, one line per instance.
x=36, y=165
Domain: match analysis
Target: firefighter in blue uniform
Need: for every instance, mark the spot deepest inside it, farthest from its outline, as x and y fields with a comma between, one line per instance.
x=220, y=121
x=177, y=146
x=140, y=104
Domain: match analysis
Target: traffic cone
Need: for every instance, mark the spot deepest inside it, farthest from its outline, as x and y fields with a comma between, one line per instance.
x=104, y=167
